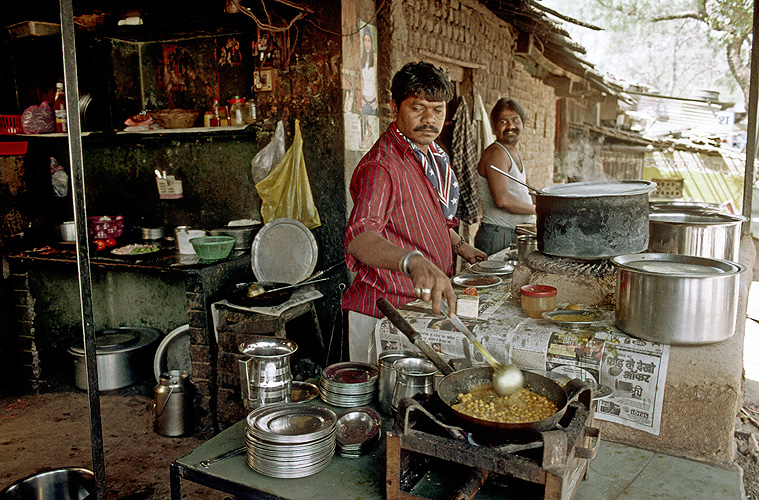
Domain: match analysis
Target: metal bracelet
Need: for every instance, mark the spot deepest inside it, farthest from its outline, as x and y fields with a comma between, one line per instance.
x=405, y=261
x=458, y=245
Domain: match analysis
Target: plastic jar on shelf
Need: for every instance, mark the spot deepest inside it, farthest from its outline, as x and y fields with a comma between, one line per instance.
x=237, y=111
x=537, y=299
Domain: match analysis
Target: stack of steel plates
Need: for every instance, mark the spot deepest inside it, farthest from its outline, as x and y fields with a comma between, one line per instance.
x=289, y=440
x=349, y=384
x=357, y=431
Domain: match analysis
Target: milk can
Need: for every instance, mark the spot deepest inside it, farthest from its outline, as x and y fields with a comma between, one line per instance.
x=265, y=375
x=387, y=378
x=173, y=404
x=413, y=376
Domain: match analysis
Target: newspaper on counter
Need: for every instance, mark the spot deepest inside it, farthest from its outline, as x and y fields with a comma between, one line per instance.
x=635, y=370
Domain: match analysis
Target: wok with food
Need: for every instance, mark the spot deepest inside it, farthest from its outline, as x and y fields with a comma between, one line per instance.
x=459, y=383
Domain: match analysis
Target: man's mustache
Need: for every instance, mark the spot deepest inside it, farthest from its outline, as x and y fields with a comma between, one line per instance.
x=426, y=128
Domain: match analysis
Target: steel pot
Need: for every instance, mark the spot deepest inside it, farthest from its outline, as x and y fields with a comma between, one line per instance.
x=593, y=220
x=712, y=235
x=677, y=299
x=124, y=356
x=243, y=235
x=66, y=231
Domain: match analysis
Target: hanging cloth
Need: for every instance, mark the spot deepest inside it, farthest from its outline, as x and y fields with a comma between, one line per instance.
x=464, y=159
x=286, y=191
x=483, y=132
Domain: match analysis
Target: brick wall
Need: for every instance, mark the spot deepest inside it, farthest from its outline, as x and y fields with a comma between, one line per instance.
x=465, y=34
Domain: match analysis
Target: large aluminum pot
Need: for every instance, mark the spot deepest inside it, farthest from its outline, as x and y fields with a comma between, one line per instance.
x=593, y=220
x=677, y=299
x=124, y=356
x=712, y=235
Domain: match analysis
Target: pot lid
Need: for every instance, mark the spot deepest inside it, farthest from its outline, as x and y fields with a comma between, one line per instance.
x=696, y=219
x=284, y=251
x=125, y=338
x=600, y=188
x=676, y=265
x=113, y=339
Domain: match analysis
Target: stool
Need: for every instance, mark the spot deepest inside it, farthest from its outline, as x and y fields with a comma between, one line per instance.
x=250, y=322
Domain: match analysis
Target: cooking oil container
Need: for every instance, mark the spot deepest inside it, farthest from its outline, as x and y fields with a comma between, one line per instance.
x=173, y=404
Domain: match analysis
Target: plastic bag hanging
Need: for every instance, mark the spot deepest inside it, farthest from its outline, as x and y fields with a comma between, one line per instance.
x=270, y=155
x=286, y=191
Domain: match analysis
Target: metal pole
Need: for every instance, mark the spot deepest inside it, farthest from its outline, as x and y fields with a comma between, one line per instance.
x=751, y=135
x=82, y=246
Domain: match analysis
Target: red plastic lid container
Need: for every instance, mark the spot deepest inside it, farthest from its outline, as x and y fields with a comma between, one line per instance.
x=538, y=291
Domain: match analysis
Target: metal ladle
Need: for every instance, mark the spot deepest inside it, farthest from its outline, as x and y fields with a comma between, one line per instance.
x=533, y=189
x=507, y=379
x=255, y=289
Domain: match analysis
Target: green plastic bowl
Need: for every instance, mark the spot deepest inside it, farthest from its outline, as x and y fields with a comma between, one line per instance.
x=213, y=247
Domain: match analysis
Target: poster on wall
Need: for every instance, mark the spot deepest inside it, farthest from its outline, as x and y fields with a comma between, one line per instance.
x=359, y=76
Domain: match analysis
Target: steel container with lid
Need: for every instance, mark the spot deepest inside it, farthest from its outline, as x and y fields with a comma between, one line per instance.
x=677, y=299
x=123, y=354
x=704, y=234
x=173, y=404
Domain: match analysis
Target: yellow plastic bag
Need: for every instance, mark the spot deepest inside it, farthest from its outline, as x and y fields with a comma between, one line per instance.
x=286, y=191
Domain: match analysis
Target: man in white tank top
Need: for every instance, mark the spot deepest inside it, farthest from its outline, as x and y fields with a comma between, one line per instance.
x=505, y=203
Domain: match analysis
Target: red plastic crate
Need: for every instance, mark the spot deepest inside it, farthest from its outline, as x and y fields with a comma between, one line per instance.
x=101, y=229
x=10, y=124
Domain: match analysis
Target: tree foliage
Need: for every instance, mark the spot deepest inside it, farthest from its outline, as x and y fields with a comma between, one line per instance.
x=729, y=22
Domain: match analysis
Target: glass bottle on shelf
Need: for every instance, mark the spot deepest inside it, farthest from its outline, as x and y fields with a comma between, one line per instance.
x=250, y=111
x=59, y=106
x=216, y=108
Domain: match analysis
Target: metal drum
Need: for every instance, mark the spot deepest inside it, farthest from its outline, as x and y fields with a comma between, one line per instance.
x=265, y=376
x=173, y=404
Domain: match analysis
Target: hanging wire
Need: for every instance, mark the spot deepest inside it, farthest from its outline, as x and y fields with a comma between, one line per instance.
x=367, y=23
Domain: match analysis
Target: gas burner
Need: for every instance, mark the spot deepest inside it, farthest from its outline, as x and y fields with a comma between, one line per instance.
x=539, y=261
x=423, y=443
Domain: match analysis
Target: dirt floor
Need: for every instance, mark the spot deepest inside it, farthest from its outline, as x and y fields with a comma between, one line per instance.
x=39, y=432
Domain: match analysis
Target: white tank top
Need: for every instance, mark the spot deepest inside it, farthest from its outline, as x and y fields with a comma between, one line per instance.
x=491, y=213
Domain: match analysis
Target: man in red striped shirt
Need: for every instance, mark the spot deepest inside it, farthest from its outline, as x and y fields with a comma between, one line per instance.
x=400, y=238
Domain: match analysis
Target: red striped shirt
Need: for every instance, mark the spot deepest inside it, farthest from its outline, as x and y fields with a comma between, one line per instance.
x=393, y=197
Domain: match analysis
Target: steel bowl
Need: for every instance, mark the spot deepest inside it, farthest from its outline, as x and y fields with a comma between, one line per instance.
x=677, y=299
x=66, y=231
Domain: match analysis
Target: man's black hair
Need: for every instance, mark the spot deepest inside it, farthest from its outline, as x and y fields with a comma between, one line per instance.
x=504, y=104
x=421, y=79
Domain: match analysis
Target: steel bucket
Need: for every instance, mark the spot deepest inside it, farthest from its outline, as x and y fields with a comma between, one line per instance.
x=265, y=375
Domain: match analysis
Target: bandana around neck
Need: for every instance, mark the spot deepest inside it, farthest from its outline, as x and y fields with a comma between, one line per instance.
x=439, y=173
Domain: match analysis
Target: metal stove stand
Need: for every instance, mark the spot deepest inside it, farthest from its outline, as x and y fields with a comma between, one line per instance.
x=550, y=467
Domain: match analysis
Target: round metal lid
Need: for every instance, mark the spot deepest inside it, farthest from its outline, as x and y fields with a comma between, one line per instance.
x=600, y=188
x=284, y=251
x=123, y=338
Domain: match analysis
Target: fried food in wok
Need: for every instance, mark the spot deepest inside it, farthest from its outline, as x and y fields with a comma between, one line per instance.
x=484, y=403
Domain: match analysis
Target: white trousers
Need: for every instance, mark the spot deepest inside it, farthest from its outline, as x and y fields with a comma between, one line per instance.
x=361, y=337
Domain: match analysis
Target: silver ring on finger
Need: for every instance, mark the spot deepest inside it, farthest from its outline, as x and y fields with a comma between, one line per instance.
x=425, y=291
x=418, y=291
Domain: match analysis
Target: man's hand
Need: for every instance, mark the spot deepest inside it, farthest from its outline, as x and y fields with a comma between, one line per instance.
x=431, y=284
x=471, y=254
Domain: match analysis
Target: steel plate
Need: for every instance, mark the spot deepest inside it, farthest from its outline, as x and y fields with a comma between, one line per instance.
x=284, y=241
x=350, y=373
x=579, y=318
x=476, y=280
